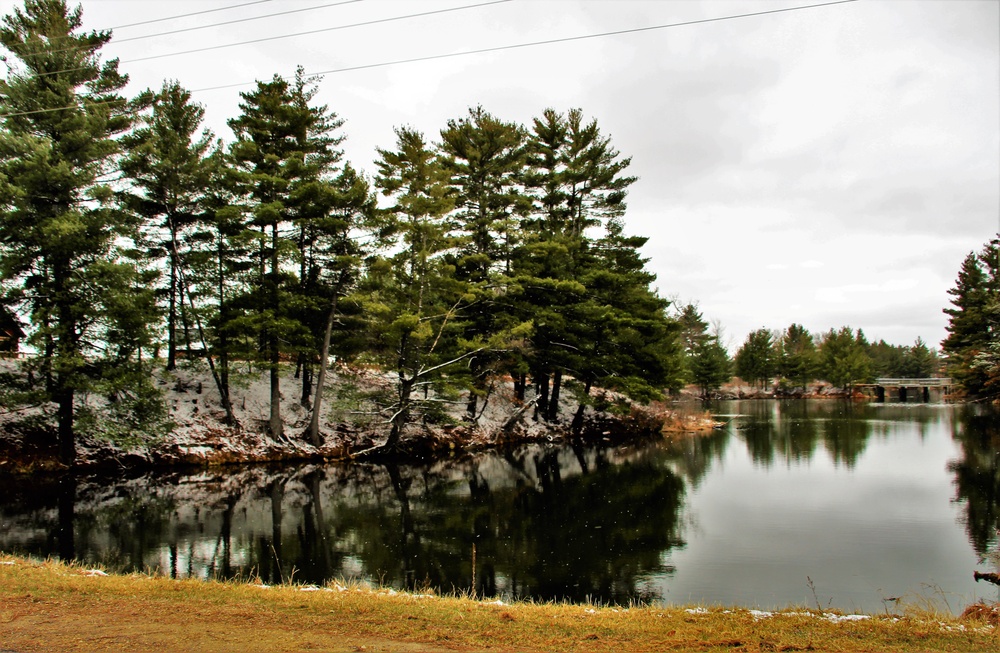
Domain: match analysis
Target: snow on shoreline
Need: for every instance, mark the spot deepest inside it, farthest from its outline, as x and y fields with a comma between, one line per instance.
x=199, y=436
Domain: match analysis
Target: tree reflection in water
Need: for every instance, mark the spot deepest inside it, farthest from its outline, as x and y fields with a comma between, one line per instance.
x=546, y=522
x=570, y=522
x=977, y=476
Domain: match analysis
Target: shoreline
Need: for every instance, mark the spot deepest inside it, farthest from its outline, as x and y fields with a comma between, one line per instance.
x=197, y=436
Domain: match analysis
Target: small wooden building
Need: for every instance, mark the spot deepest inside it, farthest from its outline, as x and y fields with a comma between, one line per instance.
x=10, y=332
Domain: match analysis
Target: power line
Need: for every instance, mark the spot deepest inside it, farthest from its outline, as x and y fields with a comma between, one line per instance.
x=239, y=20
x=195, y=13
x=318, y=31
x=283, y=36
x=210, y=25
x=486, y=50
x=567, y=39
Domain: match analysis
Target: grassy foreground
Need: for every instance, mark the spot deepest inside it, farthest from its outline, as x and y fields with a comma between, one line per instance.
x=51, y=606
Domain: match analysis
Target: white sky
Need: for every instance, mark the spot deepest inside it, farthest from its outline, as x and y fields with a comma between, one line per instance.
x=829, y=166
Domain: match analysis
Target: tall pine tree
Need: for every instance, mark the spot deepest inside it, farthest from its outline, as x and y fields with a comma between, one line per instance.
x=972, y=322
x=169, y=176
x=63, y=118
x=283, y=144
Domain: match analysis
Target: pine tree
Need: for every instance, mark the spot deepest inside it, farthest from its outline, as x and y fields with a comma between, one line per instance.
x=282, y=145
x=693, y=334
x=798, y=360
x=166, y=167
x=579, y=184
x=485, y=157
x=415, y=299
x=755, y=360
x=844, y=358
x=710, y=365
x=337, y=254
x=919, y=362
x=63, y=119
x=970, y=330
x=627, y=341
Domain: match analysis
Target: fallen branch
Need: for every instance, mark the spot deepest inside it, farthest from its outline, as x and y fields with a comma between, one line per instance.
x=508, y=425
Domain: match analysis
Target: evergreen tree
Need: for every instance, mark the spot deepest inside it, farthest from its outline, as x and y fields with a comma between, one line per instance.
x=918, y=362
x=693, y=334
x=969, y=326
x=579, y=184
x=485, y=157
x=60, y=237
x=625, y=339
x=844, y=358
x=414, y=298
x=798, y=359
x=986, y=362
x=219, y=256
x=335, y=272
x=166, y=167
x=282, y=144
x=887, y=360
x=755, y=360
x=710, y=365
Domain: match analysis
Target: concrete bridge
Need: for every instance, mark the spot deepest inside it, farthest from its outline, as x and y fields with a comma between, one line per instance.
x=907, y=390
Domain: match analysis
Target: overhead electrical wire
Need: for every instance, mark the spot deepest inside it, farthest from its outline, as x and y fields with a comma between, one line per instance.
x=463, y=53
x=226, y=22
x=285, y=36
x=566, y=39
x=194, y=13
x=319, y=31
x=174, y=17
x=240, y=20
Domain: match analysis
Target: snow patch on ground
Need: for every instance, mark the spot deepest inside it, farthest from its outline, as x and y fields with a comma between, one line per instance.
x=199, y=436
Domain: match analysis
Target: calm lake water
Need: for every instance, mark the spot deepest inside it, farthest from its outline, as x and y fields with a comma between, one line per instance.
x=792, y=503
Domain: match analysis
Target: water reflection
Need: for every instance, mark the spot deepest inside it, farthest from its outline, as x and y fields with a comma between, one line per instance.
x=791, y=431
x=549, y=523
x=575, y=523
x=977, y=477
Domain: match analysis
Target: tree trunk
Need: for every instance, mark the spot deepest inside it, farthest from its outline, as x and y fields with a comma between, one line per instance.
x=470, y=407
x=221, y=382
x=520, y=381
x=275, y=425
x=67, y=437
x=577, y=425
x=222, y=378
x=542, y=390
x=66, y=350
x=402, y=415
x=553, y=408
x=324, y=358
x=172, y=314
x=307, y=377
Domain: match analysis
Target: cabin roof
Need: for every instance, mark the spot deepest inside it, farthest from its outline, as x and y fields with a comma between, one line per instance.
x=9, y=323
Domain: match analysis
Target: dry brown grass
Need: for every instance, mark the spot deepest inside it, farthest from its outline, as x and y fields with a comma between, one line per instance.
x=50, y=606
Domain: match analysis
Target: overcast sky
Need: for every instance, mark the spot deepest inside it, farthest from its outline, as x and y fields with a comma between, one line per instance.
x=827, y=166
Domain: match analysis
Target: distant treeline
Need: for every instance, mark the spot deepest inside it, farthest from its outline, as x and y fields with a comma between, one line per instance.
x=794, y=358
